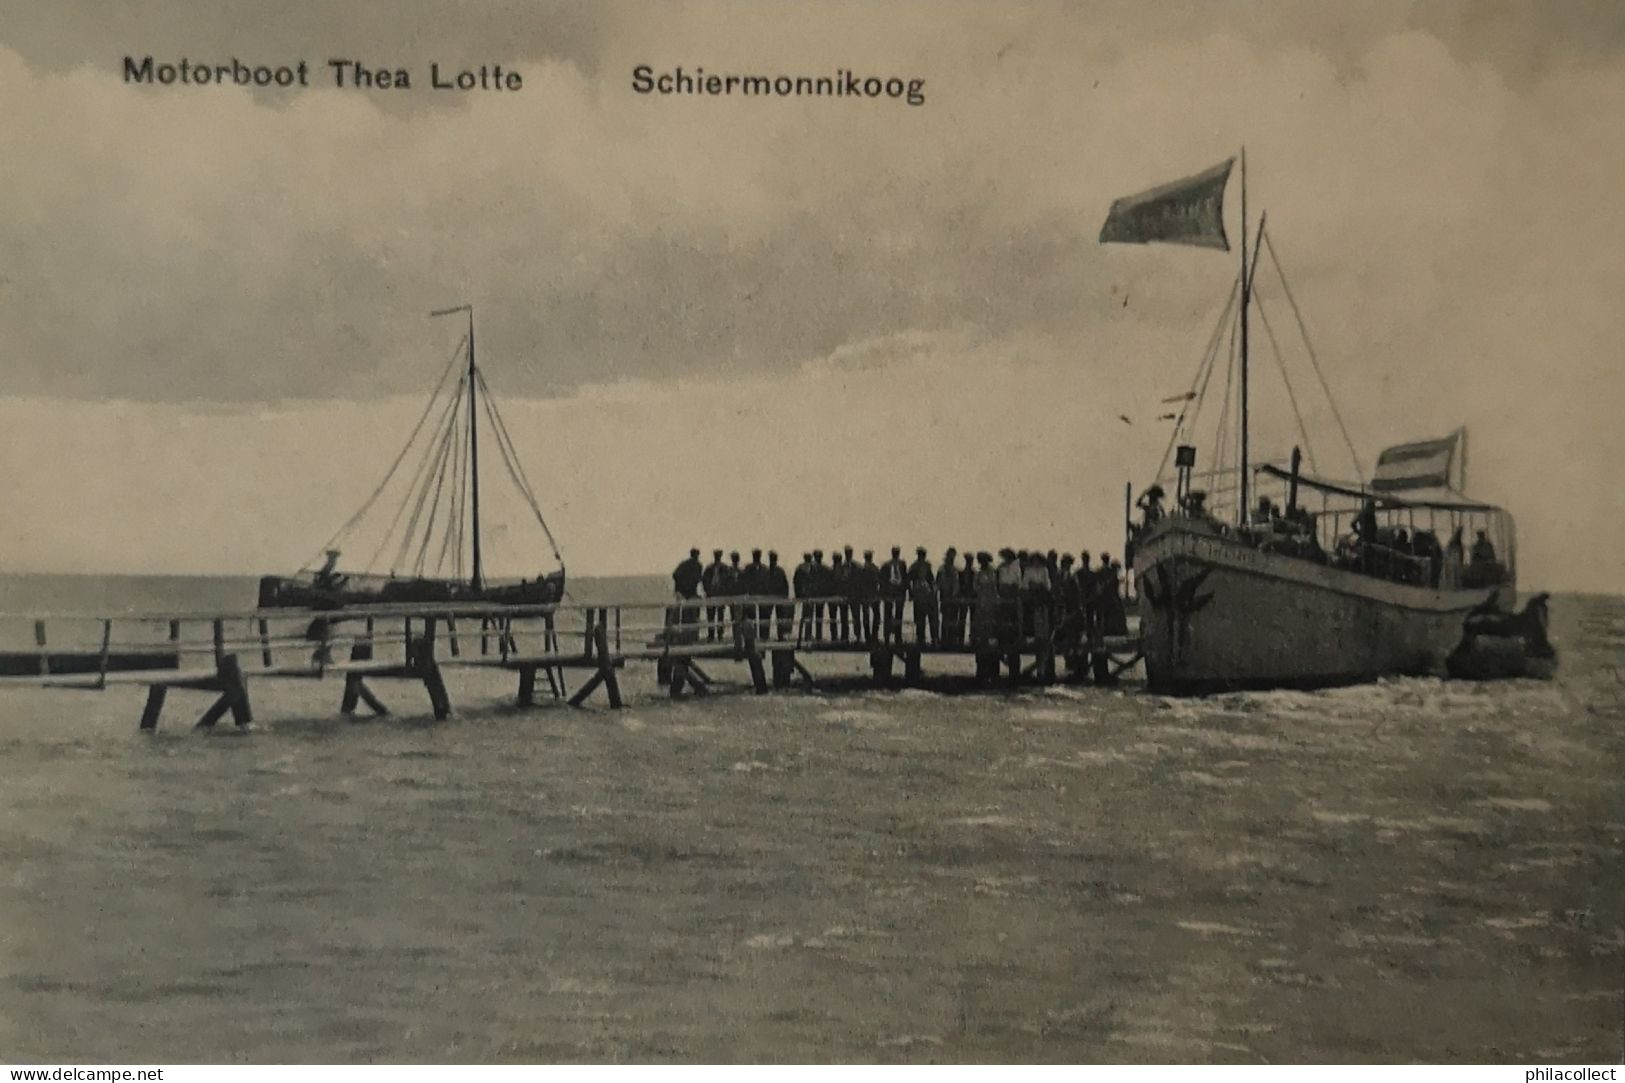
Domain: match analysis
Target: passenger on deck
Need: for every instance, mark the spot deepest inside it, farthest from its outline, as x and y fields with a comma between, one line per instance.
x=327, y=576
x=1150, y=505
x=1454, y=559
x=713, y=580
x=778, y=586
x=1483, y=549
x=922, y=596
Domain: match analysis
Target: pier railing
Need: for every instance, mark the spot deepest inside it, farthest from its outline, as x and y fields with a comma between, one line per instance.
x=219, y=652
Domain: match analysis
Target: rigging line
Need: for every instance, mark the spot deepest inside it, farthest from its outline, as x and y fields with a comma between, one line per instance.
x=1203, y=366
x=510, y=459
x=1201, y=396
x=1222, y=434
x=427, y=407
x=1291, y=396
x=453, y=511
x=434, y=505
x=1213, y=356
x=1303, y=330
x=516, y=469
x=417, y=475
x=417, y=512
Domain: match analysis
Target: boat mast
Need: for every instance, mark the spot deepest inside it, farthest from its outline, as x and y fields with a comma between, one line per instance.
x=1246, y=296
x=478, y=578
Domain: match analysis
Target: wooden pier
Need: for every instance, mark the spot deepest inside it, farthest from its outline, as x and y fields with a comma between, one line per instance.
x=222, y=654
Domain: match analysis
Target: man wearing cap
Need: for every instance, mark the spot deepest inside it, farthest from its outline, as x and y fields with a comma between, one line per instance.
x=948, y=597
x=713, y=580
x=754, y=584
x=922, y=595
x=818, y=586
x=778, y=586
x=801, y=584
x=685, y=580
x=893, y=588
x=870, y=585
x=840, y=582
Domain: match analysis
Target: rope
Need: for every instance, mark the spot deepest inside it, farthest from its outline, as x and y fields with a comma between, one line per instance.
x=423, y=494
x=434, y=505
x=1313, y=360
x=454, y=511
x=1222, y=434
x=427, y=407
x=1204, y=369
x=1292, y=397
x=417, y=477
x=516, y=471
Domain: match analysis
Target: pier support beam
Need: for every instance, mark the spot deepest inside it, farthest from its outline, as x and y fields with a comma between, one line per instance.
x=605, y=673
x=428, y=670
x=355, y=685
x=233, y=696
x=784, y=668
x=155, y=706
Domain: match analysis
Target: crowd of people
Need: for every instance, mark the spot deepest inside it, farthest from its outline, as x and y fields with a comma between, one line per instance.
x=965, y=600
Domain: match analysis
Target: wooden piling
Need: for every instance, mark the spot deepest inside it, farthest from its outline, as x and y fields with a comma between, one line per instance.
x=233, y=695
x=784, y=668
x=527, y=686
x=428, y=669
x=155, y=706
x=44, y=655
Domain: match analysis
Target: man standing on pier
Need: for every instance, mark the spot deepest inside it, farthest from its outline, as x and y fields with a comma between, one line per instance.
x=870, y=584
x=819, y=584
x=922, y=595
x=801, y=583
x=712, y=581
x=733, y=586
x=893, y=584
x=685, y=580
x=948, y=597
x=779, y=587
x=754, y=584
x=840, y=577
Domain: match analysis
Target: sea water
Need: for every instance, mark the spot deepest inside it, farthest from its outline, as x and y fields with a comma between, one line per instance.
x=1414, y=869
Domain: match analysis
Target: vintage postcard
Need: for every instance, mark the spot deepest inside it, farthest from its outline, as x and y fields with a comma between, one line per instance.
x=745, y=531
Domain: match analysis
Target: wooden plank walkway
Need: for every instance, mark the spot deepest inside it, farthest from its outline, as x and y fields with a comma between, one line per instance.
x=220, y=653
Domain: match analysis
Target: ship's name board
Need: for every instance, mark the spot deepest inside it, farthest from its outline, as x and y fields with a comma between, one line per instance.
x=343, y=73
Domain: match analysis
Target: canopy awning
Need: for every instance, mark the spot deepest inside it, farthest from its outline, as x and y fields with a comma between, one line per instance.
x=1443, y=499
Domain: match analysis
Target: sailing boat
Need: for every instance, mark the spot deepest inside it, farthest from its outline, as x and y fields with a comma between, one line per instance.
x=1330, y=582
x=427, y=547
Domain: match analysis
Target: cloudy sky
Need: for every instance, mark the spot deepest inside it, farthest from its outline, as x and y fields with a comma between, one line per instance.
x=787, y=322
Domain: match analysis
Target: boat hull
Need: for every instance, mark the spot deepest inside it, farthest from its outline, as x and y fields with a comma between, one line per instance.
x=301, y=592
x=1218, y=615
